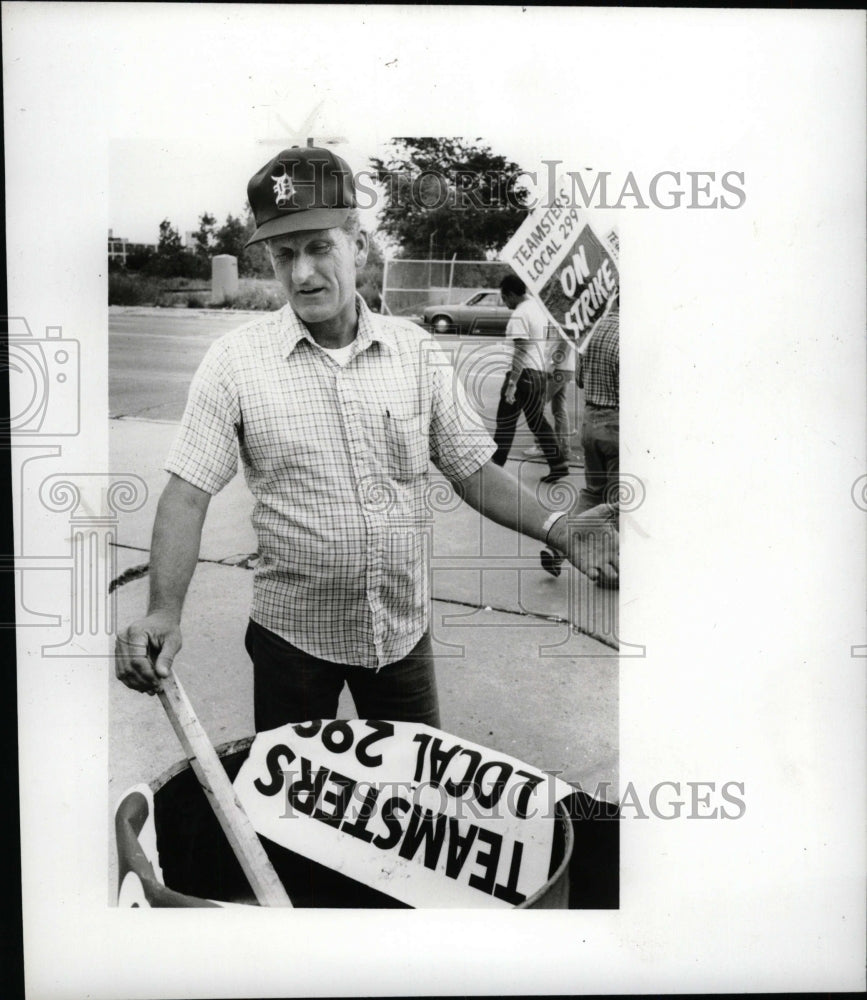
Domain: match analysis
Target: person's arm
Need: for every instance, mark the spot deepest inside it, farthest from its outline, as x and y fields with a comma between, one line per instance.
x=516, y=335
x=590, y=540
x=519, y=351
x=145, y=650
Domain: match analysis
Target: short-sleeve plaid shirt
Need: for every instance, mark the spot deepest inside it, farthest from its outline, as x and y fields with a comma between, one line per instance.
x=337, y=460
x=600, y=363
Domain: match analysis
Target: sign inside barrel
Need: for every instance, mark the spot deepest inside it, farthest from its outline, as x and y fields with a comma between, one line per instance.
x=428, y=819
x=569, y=266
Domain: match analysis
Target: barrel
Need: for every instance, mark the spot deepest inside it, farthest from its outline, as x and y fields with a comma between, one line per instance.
x=172, y=852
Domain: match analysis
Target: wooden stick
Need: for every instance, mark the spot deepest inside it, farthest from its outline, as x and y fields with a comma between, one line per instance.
x=215, y=783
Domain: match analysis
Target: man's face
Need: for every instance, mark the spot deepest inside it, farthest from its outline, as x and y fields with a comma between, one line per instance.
x=509, y=299
x=317, y=268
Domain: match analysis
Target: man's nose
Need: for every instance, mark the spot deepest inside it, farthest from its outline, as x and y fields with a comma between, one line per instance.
x=302, y=268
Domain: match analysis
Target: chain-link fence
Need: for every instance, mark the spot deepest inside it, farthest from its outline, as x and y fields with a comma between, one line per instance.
x=409, y=287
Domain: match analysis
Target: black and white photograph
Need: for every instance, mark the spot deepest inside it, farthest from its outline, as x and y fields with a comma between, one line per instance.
x=347, y=580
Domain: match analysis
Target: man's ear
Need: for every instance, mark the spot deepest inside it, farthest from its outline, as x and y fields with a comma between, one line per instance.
x=361, y=248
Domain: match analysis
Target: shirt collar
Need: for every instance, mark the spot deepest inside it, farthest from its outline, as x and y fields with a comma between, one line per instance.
x=293, y=330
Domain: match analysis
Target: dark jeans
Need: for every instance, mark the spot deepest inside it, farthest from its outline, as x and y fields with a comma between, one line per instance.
x=290, y=685
x=600, y=437
x=530, y=397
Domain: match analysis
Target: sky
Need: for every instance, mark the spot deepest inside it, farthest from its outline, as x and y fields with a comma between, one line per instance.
x=179, y=165
x=153, y=179
x=176, y=152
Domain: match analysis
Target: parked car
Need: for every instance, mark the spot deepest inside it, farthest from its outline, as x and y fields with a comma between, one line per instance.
x=483, y=313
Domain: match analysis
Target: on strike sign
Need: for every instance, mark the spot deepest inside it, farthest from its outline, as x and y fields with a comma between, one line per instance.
x=564, y=262
x=425, y=817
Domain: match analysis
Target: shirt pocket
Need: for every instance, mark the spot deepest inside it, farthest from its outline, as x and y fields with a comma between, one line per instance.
x=406, y=444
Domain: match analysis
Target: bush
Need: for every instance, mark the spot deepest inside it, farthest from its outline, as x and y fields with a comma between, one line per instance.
x=137, y=260
x=133, y=290
x=181, y=265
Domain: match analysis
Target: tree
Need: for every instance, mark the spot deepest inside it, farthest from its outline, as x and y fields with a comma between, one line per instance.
x=230, y=237
x=448, y=196
x=139, y=258
x=255, y=260
x=368, y=281
x=168, y=259
x=203, y=237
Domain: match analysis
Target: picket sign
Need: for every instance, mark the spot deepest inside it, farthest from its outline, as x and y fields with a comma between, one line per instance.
x=430, y=819
x=264, y=881
x=566, y=264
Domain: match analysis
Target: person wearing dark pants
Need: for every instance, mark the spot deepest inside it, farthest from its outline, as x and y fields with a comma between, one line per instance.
x=528, y=397
x=600, y=435
x=601, y=440
x=526, y=384
x=599, y=376
x=290, y=685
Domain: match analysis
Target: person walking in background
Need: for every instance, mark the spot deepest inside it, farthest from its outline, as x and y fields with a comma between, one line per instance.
x=525, y=386
x=562, y=360
x=599, y=376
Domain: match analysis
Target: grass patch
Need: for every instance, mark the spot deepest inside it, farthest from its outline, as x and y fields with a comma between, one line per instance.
x=125, y=289
x=134, y=290
x=264, y=294
x=257, y=293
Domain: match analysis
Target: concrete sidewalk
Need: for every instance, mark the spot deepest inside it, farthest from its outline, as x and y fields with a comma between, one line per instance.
x=513, y=674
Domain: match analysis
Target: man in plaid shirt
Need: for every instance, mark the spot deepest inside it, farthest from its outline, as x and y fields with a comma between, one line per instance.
x=335, y=413
x=598, y=374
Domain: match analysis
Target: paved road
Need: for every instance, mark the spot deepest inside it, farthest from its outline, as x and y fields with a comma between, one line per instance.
x=153, y=353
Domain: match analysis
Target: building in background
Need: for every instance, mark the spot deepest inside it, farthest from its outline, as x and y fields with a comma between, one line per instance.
x=120, y=248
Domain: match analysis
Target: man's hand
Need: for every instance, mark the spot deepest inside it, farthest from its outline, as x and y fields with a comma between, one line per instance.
x=144, y=652
x=509, y=394
x=591, y=543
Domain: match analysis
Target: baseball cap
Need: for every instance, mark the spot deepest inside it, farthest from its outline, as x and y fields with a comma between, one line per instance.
x=301, y=188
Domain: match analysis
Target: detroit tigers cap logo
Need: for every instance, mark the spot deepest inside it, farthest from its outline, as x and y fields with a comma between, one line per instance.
x=283, y=188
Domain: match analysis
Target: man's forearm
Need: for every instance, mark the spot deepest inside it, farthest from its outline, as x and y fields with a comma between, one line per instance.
x=517, y=365
x=175, y=545
x=497, y=495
